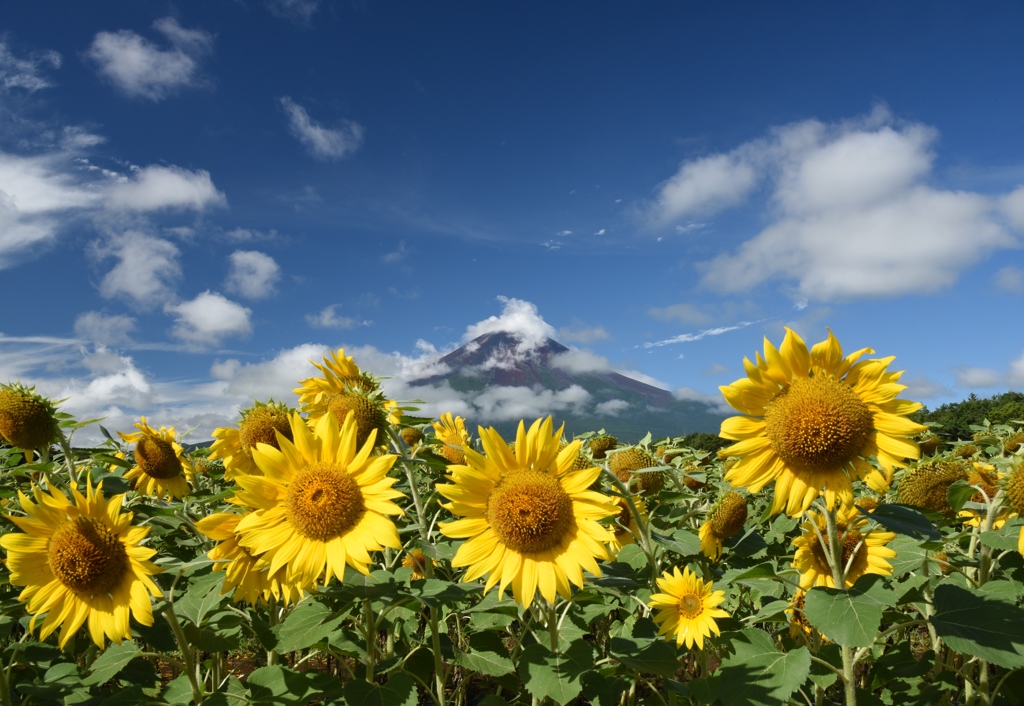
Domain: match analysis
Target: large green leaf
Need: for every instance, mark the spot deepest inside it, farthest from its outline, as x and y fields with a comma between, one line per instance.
x=281, y=685
x=307, y=625
x=112, y=661
x=979, y=625
x=849, y=617
x=649, y=656
x=435, y=593
x=487, y=655
x=400, y=690
x=758, y=673
x=202, y=597
x=555, y=675
x=904, y=520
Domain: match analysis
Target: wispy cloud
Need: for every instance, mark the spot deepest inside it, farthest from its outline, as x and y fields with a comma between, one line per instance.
x=690, y=337
x=320, y=141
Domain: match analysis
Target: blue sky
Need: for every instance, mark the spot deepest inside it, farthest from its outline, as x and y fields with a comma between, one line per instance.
x=195, y=198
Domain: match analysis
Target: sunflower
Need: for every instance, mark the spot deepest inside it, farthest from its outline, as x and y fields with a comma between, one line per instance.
x=340, y=373
x=260, y=424
x=528, y=518
x=863, y=552
x=927, y=485
x=799, y=626
x=626, y=528
x=813, y=419
x=453, y=437
x=416, y=560
x=27, y=419
x=80, y=563
x=321, y=503
x=242, y=578
x=161, y=468
x=724, y=521
x=687, y=608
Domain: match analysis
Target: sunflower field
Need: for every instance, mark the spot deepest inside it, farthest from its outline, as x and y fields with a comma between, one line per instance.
x=349, y=552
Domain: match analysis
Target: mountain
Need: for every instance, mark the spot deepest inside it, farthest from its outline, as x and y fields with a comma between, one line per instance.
x=594, y=397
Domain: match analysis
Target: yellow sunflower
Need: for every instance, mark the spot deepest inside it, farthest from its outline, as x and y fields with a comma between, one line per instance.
x=453, y=437
x=625, y=529
x=260, y=424
x=528, y=519
x=416, y=560
x=321, y=503
x=242, y=577
x=687, y=609
x=80, y=563
x=725, y=520
x=813, y=421
x=161, y=468
x=863, y=552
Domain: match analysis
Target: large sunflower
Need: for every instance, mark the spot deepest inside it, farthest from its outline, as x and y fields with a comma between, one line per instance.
x=80, y=563
x=813, y=421
x=242, y=578
x=863, y=552
x=453, y=437
x=528, y=519
x=687, y=609
x=259, y=425
x=321, y=503
x=161, y=468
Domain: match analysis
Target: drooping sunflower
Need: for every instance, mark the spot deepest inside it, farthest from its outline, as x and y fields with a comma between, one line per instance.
x=625, y=529
x=242, y=578
x=260, y=424
x=813, y=419
x=416, y=560
x=27, y=419
x=528, y=519
x=81, y=563
x=863, y=552
x=725, y=520
x=927, y=485
x=630, y=466
x=687, y=609
x=454, y=438
x=320, y=504
x=161, y=468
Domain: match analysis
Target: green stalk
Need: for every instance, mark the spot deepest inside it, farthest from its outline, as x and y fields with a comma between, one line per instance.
x=371, y=639
x=435, y=643
x=835, y=551
x=186, y=651
x=5, y=692
x=553, y=626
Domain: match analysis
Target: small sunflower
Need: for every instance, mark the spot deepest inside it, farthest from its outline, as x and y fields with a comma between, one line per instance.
x=320, y=504
x=1014, y=443
x=965, y=451
x=630, y=465
x=724, y=521
x=600, y=446
x=411, y=435
x=242, y=577
x=339, y=373
x=929, y=444
x=260, y=424
x=799, y=626
x=81, y=563
x=1015, y=489
x=161, y=468
x=927, y=485
x=626, y=528
x=416, y=560
x=863, y=552
x=27, y=419
x=687, y=609
x=528, y=519
x=453, y=438
x=813, y=421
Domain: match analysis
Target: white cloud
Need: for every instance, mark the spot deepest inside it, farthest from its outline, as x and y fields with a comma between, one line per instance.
x=690, y=337
x=322, y=142
x=499, y=404
x=582, y=334
x=563, y=233
x=396, y=255
x=146, y=271
x=574, y=361
x=851, y=211
x=714, y=369
x=104, y=329
x=1013, y=207
x=157, y=187
x=715, y=401
x=687, y=314
x=253, y=274
x=328, y=318
x=1010, y=279
x=967, y=376
x=297, y=10
x=248, y=235
x=208, y=318
x=920, y=387
x=518, y=317
x=612, y=408
x=141, y=69
x=27, y=73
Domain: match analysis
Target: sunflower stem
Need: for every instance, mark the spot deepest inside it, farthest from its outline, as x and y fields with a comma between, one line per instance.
x=371, y=639
x=5, y=693
x=435, y=643
x=553, y=626
x=641, y=524
x=186, y=651
x=834, y=550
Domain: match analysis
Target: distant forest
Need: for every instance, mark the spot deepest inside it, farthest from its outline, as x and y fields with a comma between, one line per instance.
x=956, y=418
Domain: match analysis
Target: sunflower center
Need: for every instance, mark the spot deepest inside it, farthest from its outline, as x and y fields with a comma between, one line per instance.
x=818, y=424
x=690, y=606
x=157, y=458
x=530, y=511
x=730, y=516
x=260, y=427
x=369, y=416
x=851, y=540
x=87, y=557
x=324, y=502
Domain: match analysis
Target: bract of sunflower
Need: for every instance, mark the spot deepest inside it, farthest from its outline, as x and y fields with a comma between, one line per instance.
x=260, y=424
x=452, y=438
x=242, y=578
x=161, y=468
x=81, y=562
x=529, y=520
x=321, y=503
x=687, y=608
x=864, y=552
x=812, y=420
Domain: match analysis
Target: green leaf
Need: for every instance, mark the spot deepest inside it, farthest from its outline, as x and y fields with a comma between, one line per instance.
x=745, y=545
x=377, y=585
x=960, y=493
x=632, y=555
x=307, y=625
x=1001, y=540
x=210, y=639
x=976, y=624
x=704, y=689
x=555, y=676
x=647, y=656
x=910, y=556
x=850, y=617
x=111, y=662
x=683, y=542
x=281, y=685
x=758, y=673
x=203, y=595
x=435, y=593
x=487, y=655
x=904, y=520
x=178, y=691
x=400, y=690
